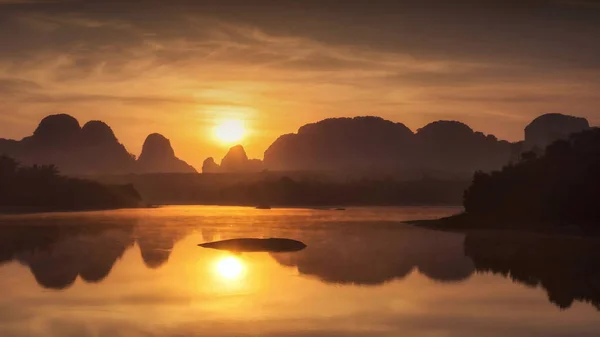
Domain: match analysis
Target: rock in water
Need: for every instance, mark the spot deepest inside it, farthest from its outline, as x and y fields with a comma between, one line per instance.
x=273, y=245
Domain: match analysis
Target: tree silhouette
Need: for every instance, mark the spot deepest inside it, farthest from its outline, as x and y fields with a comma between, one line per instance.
x=558, y=188
x=42, y=187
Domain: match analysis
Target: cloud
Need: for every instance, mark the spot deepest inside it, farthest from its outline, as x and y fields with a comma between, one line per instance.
x=13, y=86
x=135, y=100
x=295, y=63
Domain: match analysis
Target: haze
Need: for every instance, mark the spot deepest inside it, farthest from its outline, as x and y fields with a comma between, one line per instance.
x=179, y=67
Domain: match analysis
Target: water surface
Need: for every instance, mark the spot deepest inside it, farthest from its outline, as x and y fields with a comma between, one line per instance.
x=141, y=273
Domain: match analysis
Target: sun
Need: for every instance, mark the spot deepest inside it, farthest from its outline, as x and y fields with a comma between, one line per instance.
x=230, y=131
x=229, y=268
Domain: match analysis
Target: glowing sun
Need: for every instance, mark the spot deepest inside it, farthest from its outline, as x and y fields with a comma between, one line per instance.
x=229, y=267
x=230, y=131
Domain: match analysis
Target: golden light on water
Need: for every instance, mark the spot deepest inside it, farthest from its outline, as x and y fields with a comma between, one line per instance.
x=230, y=131
x=230, y=267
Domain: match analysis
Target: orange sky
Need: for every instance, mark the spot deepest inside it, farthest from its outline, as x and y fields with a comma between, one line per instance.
x=177, y=69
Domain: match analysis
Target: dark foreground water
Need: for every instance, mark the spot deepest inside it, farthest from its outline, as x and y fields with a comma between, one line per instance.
x=141, y=273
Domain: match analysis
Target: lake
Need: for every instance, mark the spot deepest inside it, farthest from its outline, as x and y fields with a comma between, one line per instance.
x=364, y=273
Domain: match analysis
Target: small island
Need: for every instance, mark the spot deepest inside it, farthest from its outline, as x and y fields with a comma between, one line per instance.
x=556, y=190
x=40, y=188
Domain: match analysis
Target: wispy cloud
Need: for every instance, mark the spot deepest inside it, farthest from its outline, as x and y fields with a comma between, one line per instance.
x=172, y=71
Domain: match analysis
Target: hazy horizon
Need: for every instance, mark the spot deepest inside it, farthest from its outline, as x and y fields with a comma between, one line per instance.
x=179, y=68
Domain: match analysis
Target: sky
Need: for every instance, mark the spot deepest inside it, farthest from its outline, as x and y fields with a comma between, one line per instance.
x=179, y=67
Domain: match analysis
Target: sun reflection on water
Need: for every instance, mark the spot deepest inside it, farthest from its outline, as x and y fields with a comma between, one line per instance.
x=230, y=268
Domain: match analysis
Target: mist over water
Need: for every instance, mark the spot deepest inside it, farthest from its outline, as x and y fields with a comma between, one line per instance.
x=363, y=272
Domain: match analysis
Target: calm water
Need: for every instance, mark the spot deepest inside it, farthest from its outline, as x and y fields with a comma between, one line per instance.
x=141, y=273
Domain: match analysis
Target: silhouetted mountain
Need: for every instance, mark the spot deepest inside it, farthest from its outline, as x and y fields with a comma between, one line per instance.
x=159, y=157
x=100, y=151
x=342, y=144
x=255, y=165
x=454, y=146
x=93, y=149
x=10, y=147
x=209, y=166
x=58, y=129
x=372, y=143
x=567, y=268
x=235, y=161
x=52, y=143
x=548, y=128
x=59, y=140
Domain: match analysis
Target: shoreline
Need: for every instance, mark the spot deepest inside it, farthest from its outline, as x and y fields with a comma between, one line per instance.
x=44, y=210
x=5, y=211
x=463, y=223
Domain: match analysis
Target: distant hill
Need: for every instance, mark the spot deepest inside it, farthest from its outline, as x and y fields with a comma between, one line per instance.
x=549, y=128
x=235, y=161
x=336, y=144
x=454, y=146
x=374, y=143
x=158, y=156
x=342, y=144
x=92, y=149
x=40, y=188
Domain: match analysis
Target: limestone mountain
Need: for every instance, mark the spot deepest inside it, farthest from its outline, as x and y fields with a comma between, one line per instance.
x=89, y=150
x=236, y=160
x=60, y=140
x=100, y=150
x=158, y=156
x=454, y=146
x=210, y=166
x=342, y=143
x=373, y=143
x=548, y=128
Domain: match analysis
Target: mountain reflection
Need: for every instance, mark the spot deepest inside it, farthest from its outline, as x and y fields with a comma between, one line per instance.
x=567, y=268
x=373, y=257
x=58, y=251
x=156, y=241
